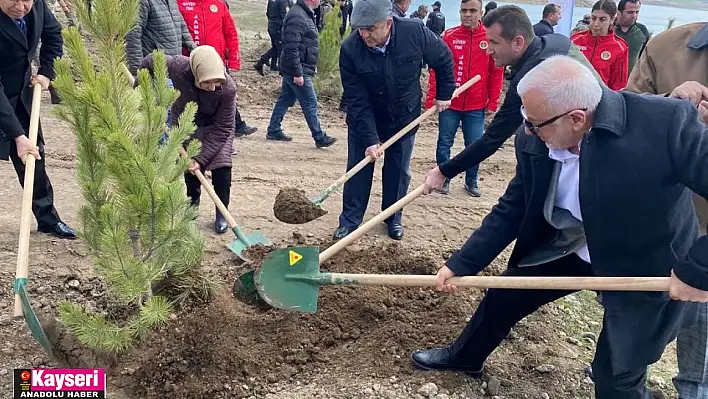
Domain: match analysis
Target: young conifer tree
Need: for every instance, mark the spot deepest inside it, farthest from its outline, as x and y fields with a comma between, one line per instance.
x=136, y=219
x=327, y=78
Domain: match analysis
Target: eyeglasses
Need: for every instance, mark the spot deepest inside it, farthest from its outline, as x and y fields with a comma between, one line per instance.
x=535, y=128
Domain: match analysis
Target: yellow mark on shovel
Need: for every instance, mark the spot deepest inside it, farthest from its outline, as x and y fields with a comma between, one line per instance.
x=294, y=257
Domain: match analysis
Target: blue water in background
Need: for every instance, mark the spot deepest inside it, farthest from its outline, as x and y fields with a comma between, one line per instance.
x=654, y=17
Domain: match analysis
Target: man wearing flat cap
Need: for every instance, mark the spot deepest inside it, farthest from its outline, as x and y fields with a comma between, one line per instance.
x=380, y=72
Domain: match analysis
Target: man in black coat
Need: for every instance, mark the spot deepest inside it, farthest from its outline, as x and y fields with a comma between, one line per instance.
x=276, y=11
x=22, y=25
x=436, y=20
x=298, y=65
x=602, y=188
x=380, y=72
x=551, y=15
x=511, y=43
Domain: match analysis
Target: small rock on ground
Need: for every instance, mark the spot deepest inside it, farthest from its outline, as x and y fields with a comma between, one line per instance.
x=545, y=368
x=428, y=390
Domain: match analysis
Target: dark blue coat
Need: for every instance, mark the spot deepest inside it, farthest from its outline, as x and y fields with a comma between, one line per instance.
x=15, y=72
x=382, y=90
x=638, y=166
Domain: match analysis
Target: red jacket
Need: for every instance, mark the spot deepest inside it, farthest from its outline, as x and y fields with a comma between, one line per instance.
x=469, y=57
x=210, y=22
x=608, y=54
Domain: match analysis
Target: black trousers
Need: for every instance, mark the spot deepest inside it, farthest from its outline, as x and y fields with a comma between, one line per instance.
x=276, y=41
x=239, y=121
x=42, y=193
x=618, y=375
x=220, y=179
x=395, y=180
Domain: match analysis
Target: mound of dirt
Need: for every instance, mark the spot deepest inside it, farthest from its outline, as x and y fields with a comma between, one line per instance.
x=293, y=207
x=235, y=345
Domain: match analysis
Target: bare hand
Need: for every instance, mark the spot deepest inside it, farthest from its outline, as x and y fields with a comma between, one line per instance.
x=299, y=80
x=442, y=105
x=434, y=180
x=42, y=80
x=703, y=111
x=691, y=91
x=194, y=167
x=443, y=274
x=373, y=151
x=24, y=148
x=681, y=291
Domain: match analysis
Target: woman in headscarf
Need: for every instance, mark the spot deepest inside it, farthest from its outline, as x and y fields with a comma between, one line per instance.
x=201, y=78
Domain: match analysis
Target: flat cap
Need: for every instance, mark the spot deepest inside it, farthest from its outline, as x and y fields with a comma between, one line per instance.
x=367, y=13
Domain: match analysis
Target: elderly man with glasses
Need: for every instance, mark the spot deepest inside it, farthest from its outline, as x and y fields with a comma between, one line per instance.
x=603, y=187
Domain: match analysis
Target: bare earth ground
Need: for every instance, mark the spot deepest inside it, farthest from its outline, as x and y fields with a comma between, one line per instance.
x=358, y=343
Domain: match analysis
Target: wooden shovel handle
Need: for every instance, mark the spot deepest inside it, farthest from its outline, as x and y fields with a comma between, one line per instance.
x=546, y=283
x=26, y=212
x=210, y=190
x=351, y=172
x=364, y=228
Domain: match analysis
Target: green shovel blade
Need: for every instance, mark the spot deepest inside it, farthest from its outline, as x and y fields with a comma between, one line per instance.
x=244, y=241
x=289, y=278
x=31, y=317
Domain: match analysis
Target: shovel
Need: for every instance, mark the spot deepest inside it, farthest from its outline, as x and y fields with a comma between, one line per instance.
x=246, y=287
x=243, y=240
x=289, y=286
x=298, y=209
x=23, y=306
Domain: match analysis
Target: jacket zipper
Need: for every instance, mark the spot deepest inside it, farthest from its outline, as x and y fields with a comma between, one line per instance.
x=469, y=68
x=594, y=47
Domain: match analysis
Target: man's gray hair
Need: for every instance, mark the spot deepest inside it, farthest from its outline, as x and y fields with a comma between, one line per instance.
x=565, y=84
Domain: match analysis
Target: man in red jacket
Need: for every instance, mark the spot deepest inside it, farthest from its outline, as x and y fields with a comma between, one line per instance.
x=210, y=22
x=469, y=52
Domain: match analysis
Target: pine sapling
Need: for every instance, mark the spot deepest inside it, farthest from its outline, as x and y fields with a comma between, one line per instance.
x=136, y=220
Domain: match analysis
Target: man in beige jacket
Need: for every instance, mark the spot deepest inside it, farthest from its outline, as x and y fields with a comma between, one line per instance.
x=675, y=63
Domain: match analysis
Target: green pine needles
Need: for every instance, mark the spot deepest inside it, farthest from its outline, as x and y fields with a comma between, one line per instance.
x=136, y=219
x=327, y=82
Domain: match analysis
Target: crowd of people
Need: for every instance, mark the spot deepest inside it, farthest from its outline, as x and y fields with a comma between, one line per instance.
x=610, y=139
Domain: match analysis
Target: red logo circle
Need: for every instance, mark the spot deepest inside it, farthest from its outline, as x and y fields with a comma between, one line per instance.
x=25, y=375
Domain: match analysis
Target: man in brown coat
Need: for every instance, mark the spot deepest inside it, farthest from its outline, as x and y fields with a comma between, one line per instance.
x=201, y=78
x=675, y=63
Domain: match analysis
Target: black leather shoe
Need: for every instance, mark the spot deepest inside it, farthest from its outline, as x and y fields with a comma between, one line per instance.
x=244, y=130
x=325, y=141
x=220, y=225
x=278, y=137
x=395, y=231
x=60, y=230
x=341, y=232
x=439, y=359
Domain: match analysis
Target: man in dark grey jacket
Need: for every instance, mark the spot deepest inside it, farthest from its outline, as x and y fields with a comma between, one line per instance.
x=380, y=71
x=298, y=65
x=160, y=26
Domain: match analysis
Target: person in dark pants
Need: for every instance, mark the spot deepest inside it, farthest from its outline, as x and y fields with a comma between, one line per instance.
x=345, y=11
x=298, y=65
x=276, y=11
x=201, y=78
x=568, y=219
x=22, y=25
x=380, y=71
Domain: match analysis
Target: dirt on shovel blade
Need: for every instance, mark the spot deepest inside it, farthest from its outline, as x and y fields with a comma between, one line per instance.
x=293, y=207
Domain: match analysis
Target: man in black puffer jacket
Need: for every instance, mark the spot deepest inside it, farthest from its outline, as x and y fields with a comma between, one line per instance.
x=380, y=72
x=298, y=65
